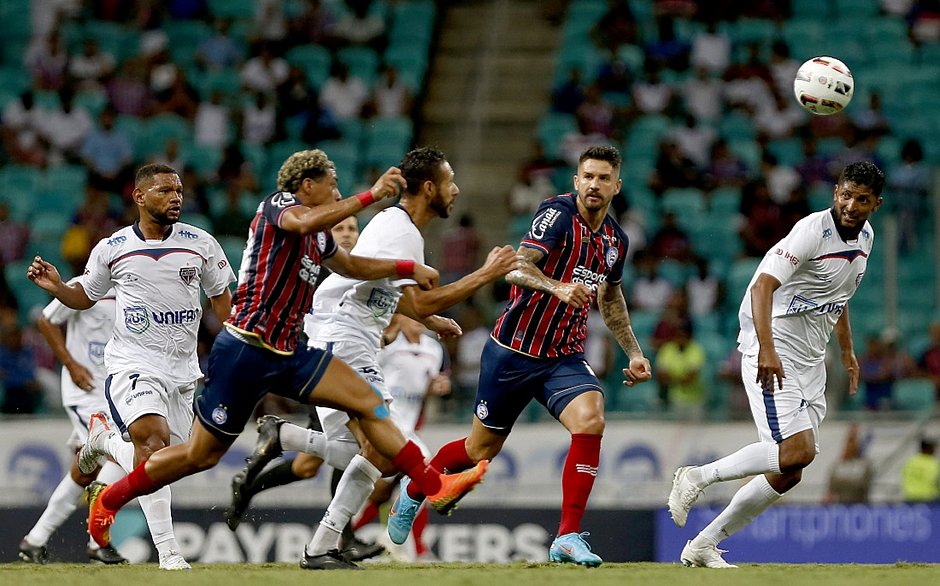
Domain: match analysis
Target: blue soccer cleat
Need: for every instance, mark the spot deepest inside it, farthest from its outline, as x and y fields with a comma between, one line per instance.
x=402, y=514
x=571, y=548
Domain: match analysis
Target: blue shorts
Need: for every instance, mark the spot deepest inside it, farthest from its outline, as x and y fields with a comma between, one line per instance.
x=240, y=374
x=509, y=380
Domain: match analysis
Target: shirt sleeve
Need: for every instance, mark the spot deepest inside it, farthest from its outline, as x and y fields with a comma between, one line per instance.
x=273, y=207
x=57, y=313
x=326, y=244
x=218, y=273
x=617, y=254
x=548, y=227
x=97, y=278
x=785, y=257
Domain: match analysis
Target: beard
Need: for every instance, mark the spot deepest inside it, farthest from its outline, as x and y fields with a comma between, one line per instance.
x=442, y=209
x=162, y=218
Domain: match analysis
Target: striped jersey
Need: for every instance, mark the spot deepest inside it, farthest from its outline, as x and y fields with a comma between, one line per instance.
x=539, y=324
x=818, y=273
x=156, y=288
x=277, y=276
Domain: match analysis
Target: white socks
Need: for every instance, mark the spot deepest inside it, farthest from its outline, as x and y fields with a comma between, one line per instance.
x=121, y=451
x=156, y=509
x=352, y=492
x=756, y=458
x=294, y=438
x=751, y=500
x=62, y=504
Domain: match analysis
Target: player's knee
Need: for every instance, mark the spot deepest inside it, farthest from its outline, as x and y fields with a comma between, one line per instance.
x=306, y=467
x=795, y=459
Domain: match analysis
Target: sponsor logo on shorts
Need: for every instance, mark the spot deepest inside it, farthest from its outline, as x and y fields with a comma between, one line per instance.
x=219, y=415
x=136, y=319
x=381, y=302
x=133, y=396
x=188, y=274
x=482, y=411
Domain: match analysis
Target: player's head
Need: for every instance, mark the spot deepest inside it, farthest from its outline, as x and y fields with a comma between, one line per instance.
x=311, y=176
x=857, y=195
x=158, y=192
x=430, y=175
x=598, y=178
x=346, y=233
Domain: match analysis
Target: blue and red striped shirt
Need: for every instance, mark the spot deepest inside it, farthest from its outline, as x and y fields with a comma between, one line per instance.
x=277, y=276
x=539, y=324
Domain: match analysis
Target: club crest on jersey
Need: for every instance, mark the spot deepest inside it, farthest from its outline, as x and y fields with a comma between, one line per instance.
x=543, y=222
x=321, y=242
x=381, y=302
x=611, y=256
x=136, y=319
x=96, y=352
x=188, y=274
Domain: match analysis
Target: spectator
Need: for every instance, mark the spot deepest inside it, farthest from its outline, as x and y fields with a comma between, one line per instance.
x=128, y=91
x=92, y=67
x=674, y=316
x=21, y=130
x=780, y=179
x=652, y=95
x=314, y=25
x=679, y=364
x=851, y=477
x=361, y=25
x=14, y=236
x=670, y=241
x=211, y=125
x=232, y=221
x=220, y=51
x=783, y=68
x=930, y=359
x=920, y=476
x=469, y=349
x=264, y=72
x=18, y=372
x=814, y=168
x=236, y=170
x=529, y=190
x=573, y=143
x=729, y=373
x=761, y=227
x=711, y=49
x=270, y=21
x=259, y=119
x=703, y=289
x=673, y=169
x=650, y=290
x=911, y=183
x=880, y=367
x=780, y=116
x=703, y=96
x=694, y=141
x=343, y=95
x=668, y=51
x=597, y=112
x=870, y=119
x=391, y=97
x=568, y=96
x=108, y=154
x=616, y=27
x=179, y=98
x=725, y=169
x=47, y=61
x=171, y=155
x=65, y=129
x=461, y=248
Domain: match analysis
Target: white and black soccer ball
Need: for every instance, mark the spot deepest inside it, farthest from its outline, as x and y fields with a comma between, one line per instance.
x=824, y=85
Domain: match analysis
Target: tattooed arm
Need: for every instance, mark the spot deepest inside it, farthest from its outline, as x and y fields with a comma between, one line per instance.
x=613, y=308
x=529, y=276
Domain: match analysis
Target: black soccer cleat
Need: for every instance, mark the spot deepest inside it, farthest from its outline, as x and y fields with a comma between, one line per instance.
x=105, y=555
x=240, y=499
x=266, y=449
x=33, y=554
x=331, y=560
x=359, y=550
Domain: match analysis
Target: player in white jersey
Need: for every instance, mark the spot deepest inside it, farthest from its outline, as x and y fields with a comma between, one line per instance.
x=799, y=294
x=349, y=317
x=156, y=267
x=81, y=353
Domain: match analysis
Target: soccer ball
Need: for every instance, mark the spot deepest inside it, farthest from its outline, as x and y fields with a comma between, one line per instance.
x=824, y=85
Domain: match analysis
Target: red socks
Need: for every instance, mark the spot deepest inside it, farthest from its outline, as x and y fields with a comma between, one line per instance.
x=133, y=485
x=421, y=521
x=577, y=480
x=369, y=514
x=450, y=458
x=410, y=460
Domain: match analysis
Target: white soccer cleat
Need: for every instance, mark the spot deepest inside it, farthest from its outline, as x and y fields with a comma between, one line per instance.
x=708, y=556
x=682, y=496
x=172, y=560
x=90, y=454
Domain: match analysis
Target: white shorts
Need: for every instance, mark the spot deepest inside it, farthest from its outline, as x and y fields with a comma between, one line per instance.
x=799, y=406
x=132, y=394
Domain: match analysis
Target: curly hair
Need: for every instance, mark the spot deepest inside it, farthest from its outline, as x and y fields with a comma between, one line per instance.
x=147, y=172
x=602, y=153
x=312, y=164
x=864, y=173
x=420, y=165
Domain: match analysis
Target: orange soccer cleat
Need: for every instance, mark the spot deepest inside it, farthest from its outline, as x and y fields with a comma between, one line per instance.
x=455, y=486
x=100, y=518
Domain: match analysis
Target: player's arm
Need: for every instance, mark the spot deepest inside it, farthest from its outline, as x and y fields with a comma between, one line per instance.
x=222, y=304
x=46, y=276
x=762, y=301
x=423, y=304
x=369, y=269
x=309, y=220
x=613, y=308
x=529, y=276
x=442, y=326
x=844, y=335
x=53, y=335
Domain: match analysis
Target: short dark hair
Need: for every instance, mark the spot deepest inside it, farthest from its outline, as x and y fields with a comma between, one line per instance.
x=864, y=173
x=420, y=165
x=602, y=153
x=150, y=170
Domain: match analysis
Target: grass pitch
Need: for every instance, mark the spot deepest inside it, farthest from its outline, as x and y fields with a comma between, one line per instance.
x=519, y=574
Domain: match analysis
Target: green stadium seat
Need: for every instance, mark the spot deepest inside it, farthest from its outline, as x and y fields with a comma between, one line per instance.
x=858, y=8
x=552, y=128
x=314, y=60
x=362, y=62
x=233, y=9
x=914, y=394
x=28, y=296
x=395, y=132
x=233, y=247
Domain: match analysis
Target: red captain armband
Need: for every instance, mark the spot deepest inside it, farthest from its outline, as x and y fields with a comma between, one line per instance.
x=366, y=198
x=405, y=268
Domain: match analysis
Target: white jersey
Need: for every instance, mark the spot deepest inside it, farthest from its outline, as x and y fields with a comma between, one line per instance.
x=409, y=369
x=819, y=272
x=345, y=308
x=156, y=285
x=86, y=334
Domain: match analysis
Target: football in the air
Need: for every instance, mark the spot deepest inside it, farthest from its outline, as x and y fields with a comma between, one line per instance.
x=824, y=85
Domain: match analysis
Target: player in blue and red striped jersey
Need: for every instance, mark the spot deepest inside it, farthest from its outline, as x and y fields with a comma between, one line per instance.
x=574, y=255
x=257, y=351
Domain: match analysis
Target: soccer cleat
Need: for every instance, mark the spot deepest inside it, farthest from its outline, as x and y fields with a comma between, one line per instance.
x=571, y=548
x=331, y=560
x=266, y=449
x=105, y=555
x=93, y=450
x=33, y=554
x=172, y=560
x=240, y=499
x=100, y=518
x=359, y=550
x=401, y=515
x=708, y=556
x=456, y=486
x=682, y=496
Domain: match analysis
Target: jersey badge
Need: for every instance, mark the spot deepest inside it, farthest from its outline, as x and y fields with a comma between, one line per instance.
x=136, y=319
x=611, y=256
x=381, y=302
x=96, y=353
x=283, y=199
x=188, y=274
x=187, y=234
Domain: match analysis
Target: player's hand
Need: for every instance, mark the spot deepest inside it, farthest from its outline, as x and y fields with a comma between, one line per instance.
x=44, y=274
x=574, y=294
x=81, y=376
x=501, y=261
x=639, y=371
x=769, y=370
x=443, y=326
x=390, y=184
x=851, y=367
x=425, y=276
x=440, y=385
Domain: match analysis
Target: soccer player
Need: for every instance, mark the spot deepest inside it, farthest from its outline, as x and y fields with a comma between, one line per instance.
x=156, y=267
x=257, y=352
x=349, y=317
x=798, y=295
x=574, y=254
x=81, y=352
